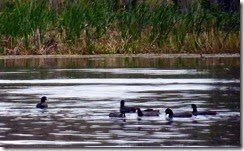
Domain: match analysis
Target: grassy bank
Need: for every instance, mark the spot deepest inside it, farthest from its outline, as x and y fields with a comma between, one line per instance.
x=100, y=27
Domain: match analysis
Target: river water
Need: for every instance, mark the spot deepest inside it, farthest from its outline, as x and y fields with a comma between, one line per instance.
x=82, y=92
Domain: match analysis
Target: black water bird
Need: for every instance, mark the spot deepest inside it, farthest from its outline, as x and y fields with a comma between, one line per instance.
x=147, y=113
x=195, y=112
x=170, y=114
x=126, y=109
x=117, y=114
x=43, y=103
x=151, y=110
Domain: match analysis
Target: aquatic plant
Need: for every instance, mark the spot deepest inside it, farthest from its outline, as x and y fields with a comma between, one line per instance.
x=101, y=26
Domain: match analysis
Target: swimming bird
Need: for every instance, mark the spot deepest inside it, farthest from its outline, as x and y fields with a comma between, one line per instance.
x=126, y=109
x=43, y=103
x=147, y=113
x=170, y=114
x=195, y=112
x=117, y=114
x=151, y=110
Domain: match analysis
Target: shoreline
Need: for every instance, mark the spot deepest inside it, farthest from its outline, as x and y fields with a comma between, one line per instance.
x=180, y=55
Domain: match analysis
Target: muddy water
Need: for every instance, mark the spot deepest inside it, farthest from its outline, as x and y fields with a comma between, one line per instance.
x=82, y=92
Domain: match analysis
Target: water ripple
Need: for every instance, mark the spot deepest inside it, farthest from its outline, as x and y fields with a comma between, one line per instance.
x=80, y=100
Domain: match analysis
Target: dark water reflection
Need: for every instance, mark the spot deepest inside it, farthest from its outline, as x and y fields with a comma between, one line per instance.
x=82, y=92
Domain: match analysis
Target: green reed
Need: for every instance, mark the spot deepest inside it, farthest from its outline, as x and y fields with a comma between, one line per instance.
x=98, y=26
x=21, y=19
x=85, y=20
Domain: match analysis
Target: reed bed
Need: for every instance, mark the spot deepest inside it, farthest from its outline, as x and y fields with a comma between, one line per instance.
x=100, y=27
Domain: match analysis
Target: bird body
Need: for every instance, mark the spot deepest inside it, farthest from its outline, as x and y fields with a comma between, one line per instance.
x=43, y=103
x=117, y=114
x=151, y=110
x=195, y=112
x=126, y=109
x=170, y=114
x=147, y=113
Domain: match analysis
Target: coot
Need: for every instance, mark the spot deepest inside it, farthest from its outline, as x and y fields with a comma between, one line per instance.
x=170, y=114
x=126, y=109
x=43, y=103
x=117, y=114
x=147, y=113
x=195, y=112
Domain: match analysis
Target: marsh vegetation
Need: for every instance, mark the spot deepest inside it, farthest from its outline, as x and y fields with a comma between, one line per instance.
x=105, y=27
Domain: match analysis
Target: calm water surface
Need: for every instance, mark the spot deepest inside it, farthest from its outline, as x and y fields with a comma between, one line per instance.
x=83, y=91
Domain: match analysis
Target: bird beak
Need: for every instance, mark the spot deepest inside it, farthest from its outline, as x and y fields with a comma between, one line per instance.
x=167, y=115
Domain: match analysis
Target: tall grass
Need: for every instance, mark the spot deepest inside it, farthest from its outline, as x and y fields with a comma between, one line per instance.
x=97, y=26
x=23, y=24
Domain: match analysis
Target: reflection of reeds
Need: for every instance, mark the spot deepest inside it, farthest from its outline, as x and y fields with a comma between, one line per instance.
x=87, y=27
